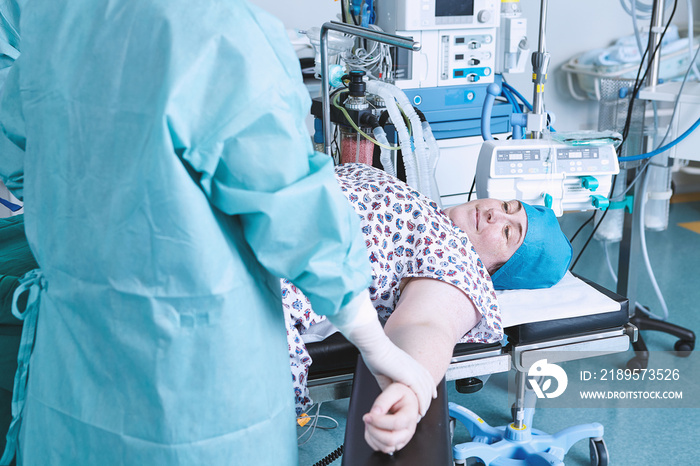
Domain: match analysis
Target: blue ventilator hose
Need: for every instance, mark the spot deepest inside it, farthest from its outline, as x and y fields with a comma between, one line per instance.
x=492, y=91
x=511, y=98
x=518, y=95
x=631, y=158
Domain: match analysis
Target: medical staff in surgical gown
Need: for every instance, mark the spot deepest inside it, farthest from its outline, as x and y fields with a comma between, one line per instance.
x=168, y=180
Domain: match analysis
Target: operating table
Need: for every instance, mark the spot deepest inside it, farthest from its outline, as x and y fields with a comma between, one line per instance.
x=573, y=320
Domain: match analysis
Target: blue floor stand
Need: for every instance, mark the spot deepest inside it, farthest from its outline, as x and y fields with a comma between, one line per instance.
x=512, y=446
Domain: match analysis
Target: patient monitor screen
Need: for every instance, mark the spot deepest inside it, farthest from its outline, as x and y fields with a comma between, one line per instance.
x=454, y=8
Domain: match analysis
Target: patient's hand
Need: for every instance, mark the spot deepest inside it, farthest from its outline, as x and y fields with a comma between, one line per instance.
x=392, y=421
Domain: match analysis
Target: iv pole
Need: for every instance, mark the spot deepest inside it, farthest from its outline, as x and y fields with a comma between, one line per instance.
x=630, y=246
x=537, y=120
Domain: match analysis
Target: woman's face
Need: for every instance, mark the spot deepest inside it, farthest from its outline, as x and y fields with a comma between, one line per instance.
x=495, y=228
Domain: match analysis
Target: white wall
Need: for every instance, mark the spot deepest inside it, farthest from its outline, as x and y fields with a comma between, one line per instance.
x=572, y=28
x=301, y=14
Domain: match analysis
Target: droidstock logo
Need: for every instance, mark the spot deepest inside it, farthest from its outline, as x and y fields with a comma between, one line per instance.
x=542, y=372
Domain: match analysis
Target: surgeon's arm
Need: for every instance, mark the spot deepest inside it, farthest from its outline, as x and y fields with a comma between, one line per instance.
x=12, y=135
x=429, y=320
x=246, y=144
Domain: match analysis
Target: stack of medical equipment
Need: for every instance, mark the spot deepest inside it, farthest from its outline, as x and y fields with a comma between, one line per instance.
x=370, y=106
x=464, y=46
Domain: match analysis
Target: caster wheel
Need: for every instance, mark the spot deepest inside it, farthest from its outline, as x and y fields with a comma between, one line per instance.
x=599, y=452
x=637, y=364
x=469, y=385
x=684, y=348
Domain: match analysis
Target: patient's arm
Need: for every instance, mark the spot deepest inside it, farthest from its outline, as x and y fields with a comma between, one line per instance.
x=429, y=320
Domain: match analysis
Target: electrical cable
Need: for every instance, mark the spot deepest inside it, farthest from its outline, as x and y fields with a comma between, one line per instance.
x=637, y=9
x=335, y=154
x=647, y=262
x=676, y=104
x=332, y=456
x=662, y=149
x=643, y=174
x=581, y=227
x=691, y=42
x=314, y=425
x=377, y=58
x=622, y=195
x=606, y=244
x=639, y=306
x=625, y=133
x=471, y=190
x=602, y=217
x=639, y=82
x=617, y=198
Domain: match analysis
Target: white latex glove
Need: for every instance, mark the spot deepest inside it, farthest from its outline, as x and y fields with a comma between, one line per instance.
x=383, y=358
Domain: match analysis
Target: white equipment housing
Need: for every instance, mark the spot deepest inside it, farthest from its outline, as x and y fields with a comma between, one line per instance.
x=545, y=172
x=458, y=40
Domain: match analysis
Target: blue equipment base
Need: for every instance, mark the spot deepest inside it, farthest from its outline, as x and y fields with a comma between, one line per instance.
x=507, y=446
x=455, y=111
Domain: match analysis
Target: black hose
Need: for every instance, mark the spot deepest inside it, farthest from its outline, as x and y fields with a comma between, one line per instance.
x=383, y=118
x=332, y=456
x=368, y=119
x=420, y=114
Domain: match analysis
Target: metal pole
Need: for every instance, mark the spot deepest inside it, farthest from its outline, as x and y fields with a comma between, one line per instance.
x=630, y=246
x=365, y=33
x=540, y=63
x=519, y=415
x=657, y=18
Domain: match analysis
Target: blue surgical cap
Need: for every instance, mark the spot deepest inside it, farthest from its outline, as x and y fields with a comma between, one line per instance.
x=543, y=258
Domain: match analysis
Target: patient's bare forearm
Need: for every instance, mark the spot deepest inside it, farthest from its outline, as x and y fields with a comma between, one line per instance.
x=430, y=318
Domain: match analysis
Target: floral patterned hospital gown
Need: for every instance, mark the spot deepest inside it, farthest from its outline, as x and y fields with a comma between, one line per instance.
x=407, y=235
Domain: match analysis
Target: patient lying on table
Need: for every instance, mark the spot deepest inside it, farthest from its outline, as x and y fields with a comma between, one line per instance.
x=434, y=271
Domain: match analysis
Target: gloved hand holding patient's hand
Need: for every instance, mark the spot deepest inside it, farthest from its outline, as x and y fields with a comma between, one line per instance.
x=383, y=358
x=392, y=421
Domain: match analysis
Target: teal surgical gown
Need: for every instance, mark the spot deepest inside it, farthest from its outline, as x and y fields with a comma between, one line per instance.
x=168, y=181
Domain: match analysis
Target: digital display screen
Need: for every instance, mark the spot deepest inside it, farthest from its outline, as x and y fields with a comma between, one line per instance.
x=454, y=8
x=523, y=155
x=568, y=154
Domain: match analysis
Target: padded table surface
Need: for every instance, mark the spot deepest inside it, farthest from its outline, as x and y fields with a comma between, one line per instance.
x=554, y=326
x=430, y=446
